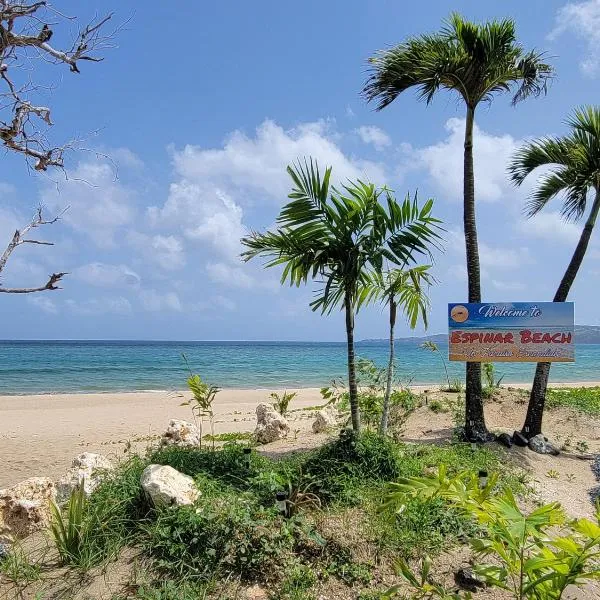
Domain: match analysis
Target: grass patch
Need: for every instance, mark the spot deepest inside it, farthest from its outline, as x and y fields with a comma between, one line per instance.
x=18, y=568
x=584, y=400
x=235, y=436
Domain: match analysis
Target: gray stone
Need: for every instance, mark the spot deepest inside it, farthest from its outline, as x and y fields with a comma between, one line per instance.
x=325, y=419
x=540, y=444
x=504, y=439
x=270, y=425
x=182, y=434
x=468, y=580
x=519, y=439
x=165, y=486
x=88, y=468
x=25, y=508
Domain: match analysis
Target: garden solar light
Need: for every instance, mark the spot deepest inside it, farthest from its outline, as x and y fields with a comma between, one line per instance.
x=281, y=502
x=483, y=478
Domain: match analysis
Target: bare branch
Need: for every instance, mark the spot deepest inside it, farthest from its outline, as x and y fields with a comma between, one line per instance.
x=17, y=240
x=50, y=285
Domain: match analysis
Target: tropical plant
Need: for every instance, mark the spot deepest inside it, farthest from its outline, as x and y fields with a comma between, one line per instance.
x=203, y=395
x=574, y=161
x=402, y=289
x=339, y=236
x=433, y=347
x=492, y=383
x=535, y=555
x=476, y=61
x=68, y=530
x=281, y=402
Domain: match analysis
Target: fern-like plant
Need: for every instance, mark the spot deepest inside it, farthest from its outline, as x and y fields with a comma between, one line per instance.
x=281, y=402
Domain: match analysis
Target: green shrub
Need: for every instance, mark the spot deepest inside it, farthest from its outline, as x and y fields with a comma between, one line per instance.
x=228, y=534
x=297, y=583
x=281, y=402
x=171, y=590
x=350, y=461
x=18, y=568
x=228, y=464
x=585, y=400
x=68, y=529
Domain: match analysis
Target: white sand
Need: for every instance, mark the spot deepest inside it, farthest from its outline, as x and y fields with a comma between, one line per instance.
x=40, y=435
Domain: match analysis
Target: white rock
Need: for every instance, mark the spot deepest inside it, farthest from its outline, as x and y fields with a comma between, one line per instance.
x=270, y=425
x=87, y=467
x=25, y=507
x=165, y=486
x=326, y=418
x=182, y=434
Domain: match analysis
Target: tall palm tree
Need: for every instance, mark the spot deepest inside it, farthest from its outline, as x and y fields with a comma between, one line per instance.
x=476, y=61
x=402, y=289
x=339, y=236
x=575, y=175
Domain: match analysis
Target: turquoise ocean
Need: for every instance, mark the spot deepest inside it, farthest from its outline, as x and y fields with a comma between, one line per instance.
x=35, y=367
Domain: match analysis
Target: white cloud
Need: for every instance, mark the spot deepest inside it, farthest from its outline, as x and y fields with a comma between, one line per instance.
x=582, y=19
x=98, y=204
x=370, y=134
x=229, y=275
x=103, y=275
x=549, y=226
x=492, y=153
x=99, y=306
x=508, y=286
x=155, y=301
x=504, y=258
x=214, y=303
x=258, y=163
x=164, y=250
x=43, y=303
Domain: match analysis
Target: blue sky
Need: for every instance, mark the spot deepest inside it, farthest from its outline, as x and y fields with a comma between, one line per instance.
x=199, y=109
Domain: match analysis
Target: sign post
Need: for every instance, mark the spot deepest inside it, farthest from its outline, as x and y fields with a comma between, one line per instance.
x=511, y=332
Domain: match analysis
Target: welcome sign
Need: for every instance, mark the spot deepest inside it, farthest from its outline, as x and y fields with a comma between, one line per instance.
x=511, y=332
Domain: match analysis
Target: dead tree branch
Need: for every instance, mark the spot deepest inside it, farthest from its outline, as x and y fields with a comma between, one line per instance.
x=19, y=239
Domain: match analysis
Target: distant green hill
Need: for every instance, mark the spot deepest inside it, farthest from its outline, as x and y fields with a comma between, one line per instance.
x=584, y=334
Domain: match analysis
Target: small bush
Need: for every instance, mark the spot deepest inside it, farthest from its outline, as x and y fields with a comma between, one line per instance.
x=350, y=461
x=297, y=583
x=228, y=464
x=171, y=590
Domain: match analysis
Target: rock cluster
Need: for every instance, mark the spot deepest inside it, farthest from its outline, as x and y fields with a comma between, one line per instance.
x=540, y=444
x=270, y=425
x=88, y=468
x=165, y=486
x=182, y=434
x=25, y=507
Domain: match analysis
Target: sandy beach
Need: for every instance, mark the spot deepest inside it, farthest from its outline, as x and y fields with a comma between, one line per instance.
x=40, y=435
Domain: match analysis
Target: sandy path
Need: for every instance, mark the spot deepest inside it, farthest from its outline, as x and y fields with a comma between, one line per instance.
x=40, y=435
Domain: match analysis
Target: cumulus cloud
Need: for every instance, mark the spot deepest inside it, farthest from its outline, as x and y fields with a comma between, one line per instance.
x=103, y=275
x=166, y=251
x=550, y=226
x=504, y=258
x=582, y=19
x=154, y=301
x=370, y=134
x=444, y=162
x=508, y=286
x=258, y=163
x=100, y=306
x=229, y=275
x=98, y=203
x=43, y=303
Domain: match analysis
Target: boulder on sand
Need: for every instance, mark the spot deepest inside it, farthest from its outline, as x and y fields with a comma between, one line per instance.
x=270, y=425
x=165, y=486
x=182, y=434
x=540, y=444
x=25, y=507
x=88, y=468
x=325, y=419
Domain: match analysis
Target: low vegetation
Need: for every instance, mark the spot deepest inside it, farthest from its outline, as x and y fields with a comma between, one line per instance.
x=585, y=400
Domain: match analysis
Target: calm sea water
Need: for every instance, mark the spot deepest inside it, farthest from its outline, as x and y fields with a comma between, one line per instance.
x=32, y=367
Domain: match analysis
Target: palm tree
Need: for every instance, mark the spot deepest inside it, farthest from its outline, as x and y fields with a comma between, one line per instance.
x=575, y=175
x=476, y=61
x=339, y=236
x=401, y=289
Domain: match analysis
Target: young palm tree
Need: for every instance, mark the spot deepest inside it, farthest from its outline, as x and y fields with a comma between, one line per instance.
x=402, y=289
x=475, y=61
x=575, y=175
x=339, y=236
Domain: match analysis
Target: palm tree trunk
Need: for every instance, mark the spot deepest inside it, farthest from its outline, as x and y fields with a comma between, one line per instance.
x=537, y=399
x=352, y=386
x=390, y=372
x=475, y=429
